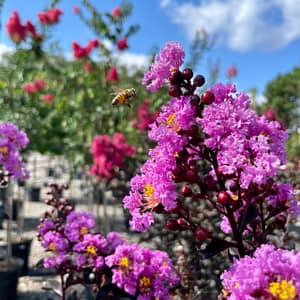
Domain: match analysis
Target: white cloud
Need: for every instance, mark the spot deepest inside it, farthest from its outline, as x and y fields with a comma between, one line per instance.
x=130, y=60
x=164, y=3
x=240, y=24
x=4, y=49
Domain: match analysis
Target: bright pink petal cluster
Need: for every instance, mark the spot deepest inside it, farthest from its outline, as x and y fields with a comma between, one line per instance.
x=112, y=74
x=35, y=86
x=17, y=31
x=270, y=274
x=231, y=71
x=144, y=116
x=170, y=58
x=12, y=140
x=149, y=274
x=156, y=186
x=116, y=12
x=48, y=98
x=79, y=51
x=109, y=154
x=249, y=147
x=122, y=44
x=50, y=16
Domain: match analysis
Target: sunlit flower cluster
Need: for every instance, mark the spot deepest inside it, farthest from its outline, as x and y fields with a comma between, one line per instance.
x=147, y=273
x=12, y=140
x=270, y=274
x=109, y=154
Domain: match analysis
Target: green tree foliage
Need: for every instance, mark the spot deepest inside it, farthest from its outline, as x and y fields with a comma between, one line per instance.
x=283, y=95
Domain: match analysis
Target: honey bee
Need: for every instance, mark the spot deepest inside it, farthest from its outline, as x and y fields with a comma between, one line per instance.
x=124, y=96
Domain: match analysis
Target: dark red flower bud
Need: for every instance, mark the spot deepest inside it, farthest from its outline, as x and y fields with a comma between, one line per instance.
x=187, y=73
x=207, y=97
x=175, y=91
x=186, y=191
x=199, y=80
x=159, y=209
x=172, y=224
x=195, y=100
x=224, y=198
x=234, y=187
x=176, y=78
x=201, y=233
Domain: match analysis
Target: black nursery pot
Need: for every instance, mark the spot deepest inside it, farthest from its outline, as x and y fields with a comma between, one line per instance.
x=9, y=276
x=22, y=249
x=34, y=194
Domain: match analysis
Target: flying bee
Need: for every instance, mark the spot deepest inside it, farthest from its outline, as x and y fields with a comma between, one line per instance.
x=124, y=96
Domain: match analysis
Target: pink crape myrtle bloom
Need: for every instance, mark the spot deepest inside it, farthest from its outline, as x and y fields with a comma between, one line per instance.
x=116, y=12
x=14, y=28
x=50, y=16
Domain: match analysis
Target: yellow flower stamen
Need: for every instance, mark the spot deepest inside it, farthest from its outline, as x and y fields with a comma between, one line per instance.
x=149, y=201
x=52, y=247
x=145, y=282
x=124, y=262
x=148, y=190
x=234, y=197
x=91, y=250
x=83, y=230
x=283, y=290
x=170, y=119
x=3, y=150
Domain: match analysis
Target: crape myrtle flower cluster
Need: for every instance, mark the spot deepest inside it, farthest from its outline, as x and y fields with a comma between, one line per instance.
x=83, y=51
x=109, y=154
x=74, y=248
x=12, y=140
x=51, y=16
x=270, y=274
x=218, y=127
x=17, y=31
x=145, y=116
x=35, y=86
x=140, y=270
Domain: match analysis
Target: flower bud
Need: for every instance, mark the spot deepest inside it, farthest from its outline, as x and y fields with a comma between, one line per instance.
x=175, y=91
x=172, y=224
x=186, y=191
x=187, y=74
x=176, y=78
x=207, y=97
x=199, y=80
x=224, y=198
x=201, y=233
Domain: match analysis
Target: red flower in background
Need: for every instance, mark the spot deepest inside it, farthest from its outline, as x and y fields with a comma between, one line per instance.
x=88, y=67
x=112, y=74
x=39, y=84
x=33, y=87
x=75, y=9
x=50, y=16
x=144, y=116
x=122, y=43
x=109, y=154
x=48, y=98
x=30, y=28
x=79, y=51
x=14, y=28
x=232, y=72
x=270, y=114
x=29, y=88
x=116, y=12
x=93, y=44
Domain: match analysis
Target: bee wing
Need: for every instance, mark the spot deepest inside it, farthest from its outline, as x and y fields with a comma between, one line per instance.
x=115, y=91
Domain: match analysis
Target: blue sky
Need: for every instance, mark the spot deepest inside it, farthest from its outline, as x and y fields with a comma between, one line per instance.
x=262, y=38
